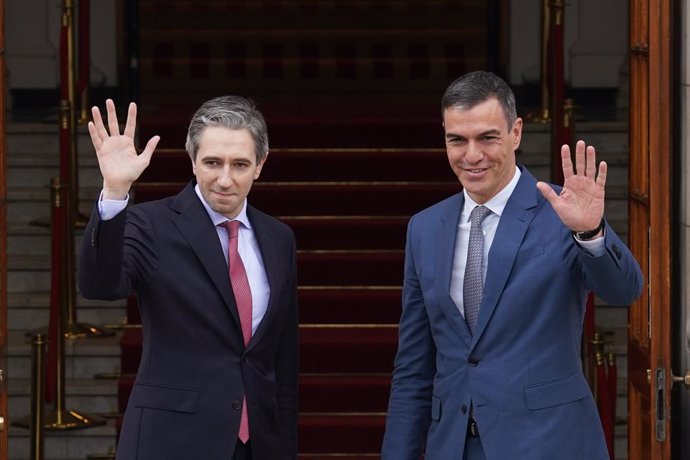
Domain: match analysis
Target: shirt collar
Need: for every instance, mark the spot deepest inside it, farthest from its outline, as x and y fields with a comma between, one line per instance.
x=218, y=218
x=497, y=203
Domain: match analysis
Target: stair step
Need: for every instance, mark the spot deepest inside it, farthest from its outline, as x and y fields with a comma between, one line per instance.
x=323, y=349
x=83, y=357
x=349, y=304
x=64, y=444
x=328, y=433
x=89, y=395
x=354, y=232
x=350, y=268
x=31, y=310
x=344, y=393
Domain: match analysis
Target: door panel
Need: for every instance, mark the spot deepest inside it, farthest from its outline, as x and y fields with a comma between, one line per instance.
x=649, y=359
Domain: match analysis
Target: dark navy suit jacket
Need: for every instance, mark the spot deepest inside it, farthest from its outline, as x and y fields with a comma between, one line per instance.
x=521, y=370
x=195, y=368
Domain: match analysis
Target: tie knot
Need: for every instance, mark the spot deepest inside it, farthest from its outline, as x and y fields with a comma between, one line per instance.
x=478, y=214
x=232, y=226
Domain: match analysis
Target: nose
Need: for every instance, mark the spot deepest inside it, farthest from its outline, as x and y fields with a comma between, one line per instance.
x=474, y=152
x=225, y=177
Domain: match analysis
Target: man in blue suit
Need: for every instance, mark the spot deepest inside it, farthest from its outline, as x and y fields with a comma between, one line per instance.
x=488, y=363
x=216, y=286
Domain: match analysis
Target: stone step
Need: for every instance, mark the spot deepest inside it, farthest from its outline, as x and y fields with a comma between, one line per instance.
x=84, y=358
x=64, y=444
x=91, y=396
x=28, y=311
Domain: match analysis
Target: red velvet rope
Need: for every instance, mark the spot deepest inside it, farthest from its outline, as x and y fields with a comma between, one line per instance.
x=84, y=44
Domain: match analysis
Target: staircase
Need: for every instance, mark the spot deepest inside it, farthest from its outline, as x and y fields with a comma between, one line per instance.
x=349, y=209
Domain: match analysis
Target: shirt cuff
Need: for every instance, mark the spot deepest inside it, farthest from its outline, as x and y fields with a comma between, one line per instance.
x=595, y=247
x=107, y=209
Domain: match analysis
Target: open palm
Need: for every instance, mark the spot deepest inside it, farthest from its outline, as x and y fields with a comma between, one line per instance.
x=580, y=205
x=118, y=160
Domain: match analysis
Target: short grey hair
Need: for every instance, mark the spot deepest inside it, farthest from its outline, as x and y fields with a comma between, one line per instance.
x=474, y=88
x=232, y=112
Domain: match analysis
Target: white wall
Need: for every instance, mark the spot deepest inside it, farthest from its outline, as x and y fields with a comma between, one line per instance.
x=32, y=31
x=595, y=42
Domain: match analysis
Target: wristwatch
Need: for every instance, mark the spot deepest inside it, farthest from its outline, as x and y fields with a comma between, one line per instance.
x=586, y=235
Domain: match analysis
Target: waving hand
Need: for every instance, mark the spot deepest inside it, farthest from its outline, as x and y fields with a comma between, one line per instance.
x=580, y=204
x=117, y=157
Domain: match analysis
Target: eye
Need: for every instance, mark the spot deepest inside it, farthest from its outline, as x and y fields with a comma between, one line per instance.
x=456, y=141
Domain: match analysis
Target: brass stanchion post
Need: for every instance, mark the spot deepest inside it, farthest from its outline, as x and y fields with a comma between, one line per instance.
x=61, y=418
x=72, y=328
x=544, y=115
x=35, y=421
x=37, y=391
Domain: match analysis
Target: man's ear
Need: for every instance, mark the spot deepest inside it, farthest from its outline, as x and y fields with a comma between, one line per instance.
x=259, y=166
x=516, y=133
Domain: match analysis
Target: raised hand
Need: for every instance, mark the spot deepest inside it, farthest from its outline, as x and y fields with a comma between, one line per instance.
x=117, y=157
x=580, y=204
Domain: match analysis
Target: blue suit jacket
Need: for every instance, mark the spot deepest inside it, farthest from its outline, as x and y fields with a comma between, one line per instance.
x=521, y=370
x=195, y=368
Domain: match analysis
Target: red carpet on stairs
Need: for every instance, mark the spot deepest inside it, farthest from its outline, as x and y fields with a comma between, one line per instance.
x=350, y=91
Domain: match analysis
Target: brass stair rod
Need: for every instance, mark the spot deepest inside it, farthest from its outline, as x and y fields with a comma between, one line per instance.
x=72, y=328
x=545, y=114
x=37, y=433
x=61, y=418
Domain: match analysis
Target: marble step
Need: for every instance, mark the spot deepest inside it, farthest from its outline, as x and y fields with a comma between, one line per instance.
x=91, y=396
x=84, y=358
x=64, y=444
x=30, y=310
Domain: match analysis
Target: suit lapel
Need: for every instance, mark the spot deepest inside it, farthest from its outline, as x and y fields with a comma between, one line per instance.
x=269, y=255
x=192, y=220
x=513, y=225
x=444, y=252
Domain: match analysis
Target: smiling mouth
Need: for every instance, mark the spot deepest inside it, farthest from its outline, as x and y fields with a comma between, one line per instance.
x=474, y=171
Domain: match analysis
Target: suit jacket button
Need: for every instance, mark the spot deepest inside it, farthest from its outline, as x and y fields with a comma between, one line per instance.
x=473, y=362
x=463, y=409
x=237, y=405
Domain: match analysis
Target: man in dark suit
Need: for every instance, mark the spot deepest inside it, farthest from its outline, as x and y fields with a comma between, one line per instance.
x=496, y=279
x=216, y=286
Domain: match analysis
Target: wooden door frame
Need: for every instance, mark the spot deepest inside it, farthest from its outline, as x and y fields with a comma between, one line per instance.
x=650, y=227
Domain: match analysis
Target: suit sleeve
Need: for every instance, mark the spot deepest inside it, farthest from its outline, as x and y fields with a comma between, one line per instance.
x=409, y=406
x=117, y=254
x=615, y=276
x=287, y=364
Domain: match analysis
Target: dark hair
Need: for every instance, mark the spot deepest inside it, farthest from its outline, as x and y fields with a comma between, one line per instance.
x=232, y=112
x=476, y=87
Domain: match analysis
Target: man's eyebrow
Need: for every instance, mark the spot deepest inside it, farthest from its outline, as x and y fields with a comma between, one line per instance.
x=493, y=132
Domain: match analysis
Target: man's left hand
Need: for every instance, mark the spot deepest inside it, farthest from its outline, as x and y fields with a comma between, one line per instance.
x=580, y=204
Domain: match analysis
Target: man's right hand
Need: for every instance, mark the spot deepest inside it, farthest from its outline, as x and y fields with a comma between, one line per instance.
x=117, y=157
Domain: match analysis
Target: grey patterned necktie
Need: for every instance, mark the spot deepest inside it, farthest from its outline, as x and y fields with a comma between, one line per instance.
x=473, y=284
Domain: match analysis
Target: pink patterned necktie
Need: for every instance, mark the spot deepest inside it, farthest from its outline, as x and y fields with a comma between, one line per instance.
x=243, y=299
